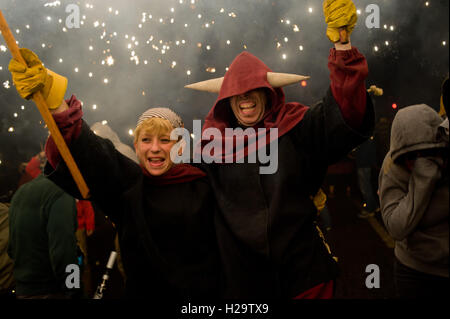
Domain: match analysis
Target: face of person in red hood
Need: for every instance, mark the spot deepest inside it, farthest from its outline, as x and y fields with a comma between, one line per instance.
x=246, y=94
x=249, y=107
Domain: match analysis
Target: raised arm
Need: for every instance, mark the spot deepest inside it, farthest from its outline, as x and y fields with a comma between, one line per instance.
x=348, y=71
x=106, y=171
x=344, y=118
x=348, y=67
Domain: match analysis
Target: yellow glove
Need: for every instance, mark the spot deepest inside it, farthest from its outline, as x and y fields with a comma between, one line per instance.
x=339, y=13
x=320, y=200
x=375, y=90
x=35, y=77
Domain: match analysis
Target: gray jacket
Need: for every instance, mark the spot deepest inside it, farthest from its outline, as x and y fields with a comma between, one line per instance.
x=415, y=204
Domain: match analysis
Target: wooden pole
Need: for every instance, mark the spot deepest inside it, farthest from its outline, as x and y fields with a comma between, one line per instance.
x=343, y=35
x=46, y=115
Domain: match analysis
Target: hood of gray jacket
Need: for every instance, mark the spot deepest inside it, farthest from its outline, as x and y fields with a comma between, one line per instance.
x=415, y=128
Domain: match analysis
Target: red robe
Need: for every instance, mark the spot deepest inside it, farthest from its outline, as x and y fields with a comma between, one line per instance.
x=265, y=223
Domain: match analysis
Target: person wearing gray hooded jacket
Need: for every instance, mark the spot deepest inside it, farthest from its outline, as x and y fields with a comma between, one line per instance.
x=414, y=198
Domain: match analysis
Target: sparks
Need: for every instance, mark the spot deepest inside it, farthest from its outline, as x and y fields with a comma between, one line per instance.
x=110, y=60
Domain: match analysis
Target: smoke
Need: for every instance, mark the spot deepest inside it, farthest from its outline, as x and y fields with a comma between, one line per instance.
x=128, y=56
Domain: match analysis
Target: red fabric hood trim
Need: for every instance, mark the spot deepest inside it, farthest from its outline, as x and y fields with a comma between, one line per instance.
x=179, y=173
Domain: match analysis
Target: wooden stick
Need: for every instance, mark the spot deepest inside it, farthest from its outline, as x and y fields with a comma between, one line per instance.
x=343, y=35
x=46, y=115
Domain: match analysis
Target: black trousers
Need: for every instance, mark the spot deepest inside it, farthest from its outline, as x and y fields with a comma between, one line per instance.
x=412, y=284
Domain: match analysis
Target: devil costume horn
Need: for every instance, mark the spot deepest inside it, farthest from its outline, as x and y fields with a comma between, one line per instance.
x=276, y=80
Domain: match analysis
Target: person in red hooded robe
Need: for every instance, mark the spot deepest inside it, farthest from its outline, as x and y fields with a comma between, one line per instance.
x=266, y=223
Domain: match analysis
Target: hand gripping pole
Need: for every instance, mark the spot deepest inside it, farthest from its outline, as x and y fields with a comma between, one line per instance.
x=46, y=115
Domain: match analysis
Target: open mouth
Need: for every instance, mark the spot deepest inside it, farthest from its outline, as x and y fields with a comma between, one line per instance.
x=247, y=107
x=156, y=161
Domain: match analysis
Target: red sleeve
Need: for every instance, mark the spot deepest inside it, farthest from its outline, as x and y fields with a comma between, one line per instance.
x=80, y=215
x=33, y=167
x=69, y=124
x=89, y=215
x=85, y=215
x=348, y=71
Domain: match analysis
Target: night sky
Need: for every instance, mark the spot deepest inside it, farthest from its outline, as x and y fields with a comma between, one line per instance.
x=128, y=56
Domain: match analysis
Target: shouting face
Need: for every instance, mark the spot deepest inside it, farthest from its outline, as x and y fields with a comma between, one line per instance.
x=249, y=108
x=153, y=152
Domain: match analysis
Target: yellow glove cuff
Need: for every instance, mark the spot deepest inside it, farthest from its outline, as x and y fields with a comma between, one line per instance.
x=57, y=90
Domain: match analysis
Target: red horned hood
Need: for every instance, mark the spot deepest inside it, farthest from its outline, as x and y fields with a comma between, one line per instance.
x=247, y=73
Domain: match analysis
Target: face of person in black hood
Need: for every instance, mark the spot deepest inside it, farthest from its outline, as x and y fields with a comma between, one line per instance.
x=249, y=107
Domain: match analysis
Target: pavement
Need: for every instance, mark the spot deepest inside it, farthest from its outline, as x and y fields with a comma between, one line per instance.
x=363, y=247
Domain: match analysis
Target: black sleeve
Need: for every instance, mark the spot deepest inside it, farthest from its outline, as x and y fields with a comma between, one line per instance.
x=108, y=173
x=325, y=134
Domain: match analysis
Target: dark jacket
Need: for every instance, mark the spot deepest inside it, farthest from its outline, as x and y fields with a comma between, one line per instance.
x=42, y=242
x=366, y=154
x=6, y=264
x=266, y=227
x=414, y=204
x=166, y=232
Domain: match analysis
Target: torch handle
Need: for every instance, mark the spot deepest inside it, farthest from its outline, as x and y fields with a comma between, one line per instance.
x=45, y=113
x=343, y=35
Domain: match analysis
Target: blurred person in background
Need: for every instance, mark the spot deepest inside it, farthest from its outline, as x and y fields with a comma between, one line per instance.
x=414, y=197
x=42, y=241
x=6, y=264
